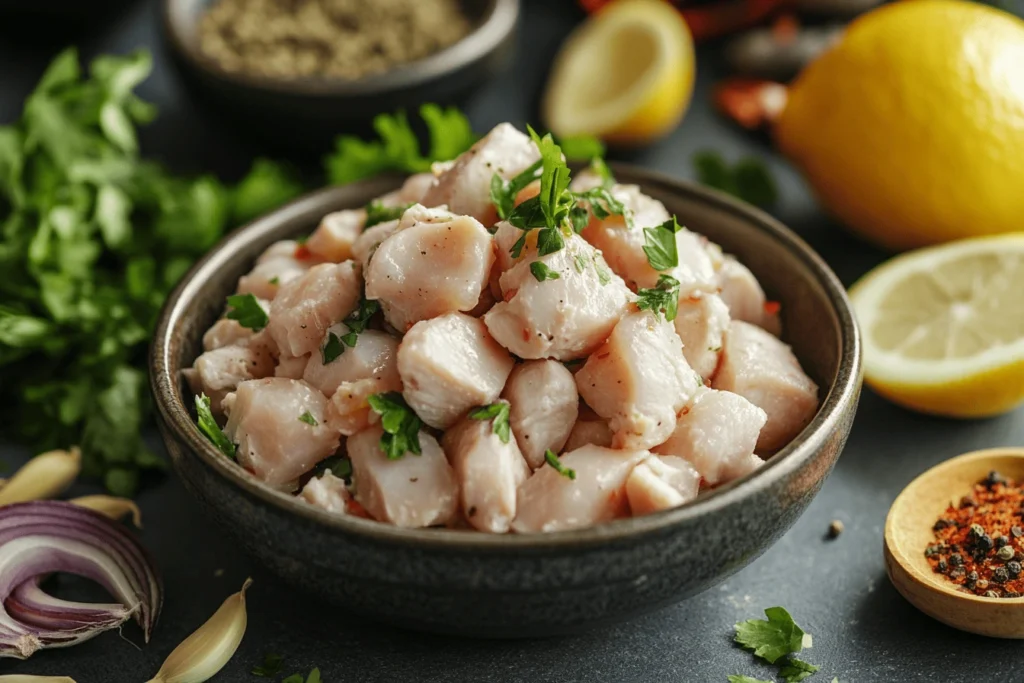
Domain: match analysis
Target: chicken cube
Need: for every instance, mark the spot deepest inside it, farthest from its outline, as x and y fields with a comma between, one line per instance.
x=551, y=501
x=448, y=365
x=544, y=407
x=375, y=356
x=227, y=332
x=661, y=483
x=763, y=370
x=280, y=429
x=638, y=380
x=589, y=429
x=701, y=324
x=411, y=192
x=411, y=491
x=267, y=277
x=366, y=244
x=489, y=473
x=562, y=318
x=466, y=187
x=716, y=434
x=327, y=492
x=429, y=267
x=220, y=371
x=306, y=307
x=744, y=297
x=291, y=367
x=333, y=238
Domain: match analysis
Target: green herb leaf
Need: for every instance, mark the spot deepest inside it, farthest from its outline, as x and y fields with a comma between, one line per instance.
x=449, y=131
x=294, y=678
x=503, y=194
x=246, y=309
x=603, y=204
x=341, y=467
x=555, y=200
x=401, y=425
x=663, y=298
x=541, y=272
x=581, y=147
x=267, y=186
x=599, y=167
x=270, y=667
x=731, y=679
x=208, y=426
x=314, y=676
x=331, y=349
x=749, y=179
x=308, y=418
x=377, y=213
x=552, y=459
x=358, y=319
x=660, y=245
x=771, y=639
x=579, y=262
x=793, y=670
x=604, y=276
x=499, y=412
x=549, y=240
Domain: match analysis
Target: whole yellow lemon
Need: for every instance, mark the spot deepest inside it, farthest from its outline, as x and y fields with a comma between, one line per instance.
x=911, y=129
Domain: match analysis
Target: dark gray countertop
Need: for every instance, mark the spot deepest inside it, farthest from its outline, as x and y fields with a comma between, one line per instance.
x=837, y=590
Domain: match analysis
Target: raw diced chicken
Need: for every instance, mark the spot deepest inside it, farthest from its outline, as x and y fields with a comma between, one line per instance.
x=563, y=318
x=411, y=192
x=465, y=187
x=660, y=483
x=265, y=280
x=328, y=492
x=505, y=237
x=744, y=297
x=278, y=250
x=349, y=409
x=428, y=267
x=716, y=434
x=333, y=239
x=448, y=365
x=488, y=472
x=550, y=501
x=291, y=367
x=544, y=407
x=585, y=180
x=589, y=429
x=375, y=356
x=701, y=324
x=483, y=304
x=305, y=308
x=763, y=370
x=228, y=333
x=220, y=371
x=412, y=491
x=638, y=380
x=280, y=430
x=366, y=244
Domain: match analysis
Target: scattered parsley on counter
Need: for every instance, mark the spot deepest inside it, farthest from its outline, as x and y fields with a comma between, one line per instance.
x=660, y=245
x=308, y=418
x=541, y=272
x=552, y=459
x=774, y=638
x=377, y=213
x=247, y=311
x=313, y=677
x=749, y=179
x=208, y=426
x=794, y=670
x=499, y=412
x=400, y=423
x=746, y=679
x=663, y=298
x=270, y=667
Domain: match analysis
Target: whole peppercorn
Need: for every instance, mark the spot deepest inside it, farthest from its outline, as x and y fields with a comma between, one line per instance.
x=991, y=594
x=986, y=542
x=1005, y=553
x=1016, y=531
x=981, y=584
x=1011, y=594
x=993, y=479
x=1000, y=575
x=976, y=532
x=967, y=502
x=942, y=566
x=957, y=573
x=956, y=559
x=940, y=525
x=1014, y=568
x=1001, y=541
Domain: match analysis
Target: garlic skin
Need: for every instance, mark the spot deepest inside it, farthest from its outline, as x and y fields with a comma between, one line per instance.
x=24, y=678
x=111, y=506
x=200, y=656
x=45, y=476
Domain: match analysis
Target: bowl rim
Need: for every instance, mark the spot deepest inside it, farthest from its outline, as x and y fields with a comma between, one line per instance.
x=841, y=396
x=499, y=22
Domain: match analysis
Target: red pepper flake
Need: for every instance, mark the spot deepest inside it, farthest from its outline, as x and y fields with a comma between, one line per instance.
x=302, y=252
x=772, y=307
x=979, y=542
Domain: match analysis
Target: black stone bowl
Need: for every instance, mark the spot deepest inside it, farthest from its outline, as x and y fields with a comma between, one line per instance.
x=303, y=115
x=530, y=585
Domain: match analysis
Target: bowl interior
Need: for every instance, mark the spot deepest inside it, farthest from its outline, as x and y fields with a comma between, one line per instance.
x=817, y=322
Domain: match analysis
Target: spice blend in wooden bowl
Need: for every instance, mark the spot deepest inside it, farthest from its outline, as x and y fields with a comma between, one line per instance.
x=979, y=543
x=347, y=39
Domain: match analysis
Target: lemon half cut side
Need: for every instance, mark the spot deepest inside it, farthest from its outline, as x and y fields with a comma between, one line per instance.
x=944, y=327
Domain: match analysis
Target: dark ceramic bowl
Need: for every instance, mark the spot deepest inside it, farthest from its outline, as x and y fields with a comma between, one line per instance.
x=306, y=113
x=504, y=586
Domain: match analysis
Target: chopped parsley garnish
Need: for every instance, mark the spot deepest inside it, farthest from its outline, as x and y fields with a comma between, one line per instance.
x=549, y=240
x=541, y=272
x=308, y=418
x=247, y=311
x=503, y=194
x=603, y=204
x=579, y=262
x=556, y=464
x=209, y=427
x=377, y=213
x=598, y=166
x=660, y=245
x=313, y=677
x=356, y=323
x=581, y=147
x=731, y=679
x=270, y=667
x=274, y=280
x=749, y=179
x=662, y=298
x=400, y=423
x=332, y=348
x=604, y=276
x=499, y=412
x=794, y=670
x=341, y=467
x=772, y=639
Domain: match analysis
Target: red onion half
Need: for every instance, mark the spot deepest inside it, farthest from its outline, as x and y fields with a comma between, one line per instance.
x=42, y=537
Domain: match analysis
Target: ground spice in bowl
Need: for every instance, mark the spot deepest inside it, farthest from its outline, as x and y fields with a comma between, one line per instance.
x=979, y=542
x=346, y=39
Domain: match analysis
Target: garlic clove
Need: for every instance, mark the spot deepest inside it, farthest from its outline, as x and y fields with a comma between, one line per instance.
x=200, y=656
x=111, y=506
x=45, y=476
x=25, y=678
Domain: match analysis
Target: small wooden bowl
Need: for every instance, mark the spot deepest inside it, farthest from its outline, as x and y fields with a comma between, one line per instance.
x=908, y=531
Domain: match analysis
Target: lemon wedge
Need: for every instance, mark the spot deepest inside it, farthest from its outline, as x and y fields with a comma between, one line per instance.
x=625, y=75
x=944, y=327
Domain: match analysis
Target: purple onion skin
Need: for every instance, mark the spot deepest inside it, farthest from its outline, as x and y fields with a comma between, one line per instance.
x=42, y=537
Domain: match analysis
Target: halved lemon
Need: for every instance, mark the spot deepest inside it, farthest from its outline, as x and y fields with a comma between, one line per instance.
x=625, y=75
x=944, y=327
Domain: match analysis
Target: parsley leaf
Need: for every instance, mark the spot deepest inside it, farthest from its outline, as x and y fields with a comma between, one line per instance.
x=604, y=276
x=749, y=179
x=660, y=245
x=541, y=272
x=270, y=667
x=247, y=311
x=598, y=166
x=662, y=298
x=377, y=213
x=308, y=418
x=731, y=679
x=331, y=349
x=555, y=199
x=552, y=459
x=341, y=467
x=358, y=319
x=603, y=203
x=400, y=423
x=774, y=638
x=267, y=186
x=793, y=670
x=209, y=427
x=581, y=147
x=294, y=678
x=503, y=194
x=499, y=412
